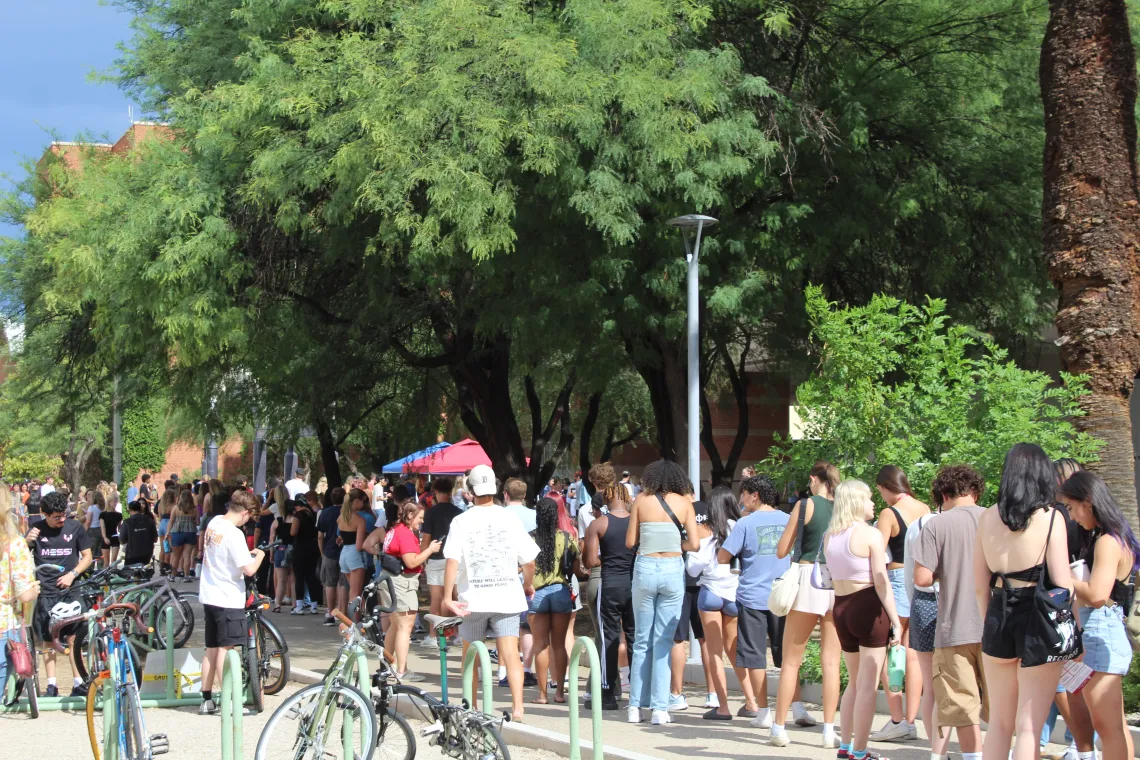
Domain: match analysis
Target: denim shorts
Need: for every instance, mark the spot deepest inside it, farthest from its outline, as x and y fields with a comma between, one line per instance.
x=351, y=559
x=1106, y=643
x=183, y=539
x=279, y=557
x=898, y=586
x=707, y=601
x=555, y=599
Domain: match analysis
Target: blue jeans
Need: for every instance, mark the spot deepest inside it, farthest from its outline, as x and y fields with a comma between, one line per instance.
x=658, y=590
x=5, y=664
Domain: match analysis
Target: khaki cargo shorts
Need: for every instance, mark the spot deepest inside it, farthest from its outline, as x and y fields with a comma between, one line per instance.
x=960, y=686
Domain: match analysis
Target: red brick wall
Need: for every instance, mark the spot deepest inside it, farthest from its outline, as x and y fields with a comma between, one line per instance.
x=233, y=459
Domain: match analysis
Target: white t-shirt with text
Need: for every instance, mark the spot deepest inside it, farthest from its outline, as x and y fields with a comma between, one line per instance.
x=490, y=543
x=224, y=554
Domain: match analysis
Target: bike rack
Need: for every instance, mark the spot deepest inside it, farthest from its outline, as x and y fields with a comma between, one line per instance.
x=110, y=720
x=480, y=649
x=54, y=704
x=231, y=707
x=358, y=662
x=587, y=645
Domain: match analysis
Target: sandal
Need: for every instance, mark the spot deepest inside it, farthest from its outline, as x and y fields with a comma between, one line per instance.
x=277, y=608
x=714, y=715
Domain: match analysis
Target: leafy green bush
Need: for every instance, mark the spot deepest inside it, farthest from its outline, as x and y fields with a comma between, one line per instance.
x=144, y=439
x=812, y=672
x=896, y=384
x=33, y=464
x=1131, y=687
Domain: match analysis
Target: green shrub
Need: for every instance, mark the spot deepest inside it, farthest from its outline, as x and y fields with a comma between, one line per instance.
x=32, y=464
x=1131, y=687
x=812, y=672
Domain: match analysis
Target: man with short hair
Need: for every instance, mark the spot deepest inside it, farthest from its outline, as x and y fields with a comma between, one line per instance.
x=327, y=539
x=226, y=562
x=514, y=494
x=943, y=552
x=138, y=534
x=47, y=487
x=436, y=526
x=754, y=541
x=58, y=540
x=485, y=549
x=148, y=494
x=297, y=486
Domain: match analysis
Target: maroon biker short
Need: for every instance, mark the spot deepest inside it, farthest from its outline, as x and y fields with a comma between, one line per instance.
x=861, y=621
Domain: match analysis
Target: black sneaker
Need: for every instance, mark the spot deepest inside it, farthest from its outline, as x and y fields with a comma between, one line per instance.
x=529, y=679
x=51, y=691
x=79, y=691
x=330, y=621
x=610, y=704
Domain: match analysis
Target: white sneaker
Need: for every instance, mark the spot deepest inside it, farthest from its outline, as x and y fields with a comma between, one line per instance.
x=763, y=719
x=661, y=718
x=712, y=701
x=677, y=703
x=632, y=714
x=429, y=643
x=1071, y=753
x=779, y=738
x=800, y=715
x=892, y=732
x=830, y=740
x=912, y=731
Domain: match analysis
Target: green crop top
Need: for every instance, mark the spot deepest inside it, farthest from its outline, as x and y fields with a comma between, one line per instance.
x=815, y=528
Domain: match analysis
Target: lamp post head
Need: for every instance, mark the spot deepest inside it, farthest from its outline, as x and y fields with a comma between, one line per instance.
x=692, y=221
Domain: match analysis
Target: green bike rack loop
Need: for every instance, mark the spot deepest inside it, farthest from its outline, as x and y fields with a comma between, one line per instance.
x=360, y=678
x=585, y=645
x=231, y=707
x=110, y=720
x=480, y=649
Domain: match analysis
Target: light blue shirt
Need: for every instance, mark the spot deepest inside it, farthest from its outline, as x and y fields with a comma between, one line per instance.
x=132, y=494
x=754, y=540
x=526, y=516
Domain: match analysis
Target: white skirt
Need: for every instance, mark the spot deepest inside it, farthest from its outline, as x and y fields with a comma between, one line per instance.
x=811, y=600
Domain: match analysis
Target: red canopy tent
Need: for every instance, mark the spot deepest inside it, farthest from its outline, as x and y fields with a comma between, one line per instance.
x=456, y=459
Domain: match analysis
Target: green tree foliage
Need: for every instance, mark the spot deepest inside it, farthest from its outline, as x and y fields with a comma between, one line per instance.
x=899, y=384
x=29, y=465
x=144, y=438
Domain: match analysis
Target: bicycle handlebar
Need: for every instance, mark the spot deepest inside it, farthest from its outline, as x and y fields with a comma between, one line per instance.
x=371, y=588
x=59, y=625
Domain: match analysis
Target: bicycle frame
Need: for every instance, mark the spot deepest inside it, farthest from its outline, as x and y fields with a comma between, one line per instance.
x=120, y=660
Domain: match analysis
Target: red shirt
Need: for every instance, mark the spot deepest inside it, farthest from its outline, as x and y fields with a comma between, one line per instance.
x=400, y=541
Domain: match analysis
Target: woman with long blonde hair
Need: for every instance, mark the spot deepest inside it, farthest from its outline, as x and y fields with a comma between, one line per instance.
x=353, y=531
x=181, y=535
x=866, y=619
x=166, y=504
x=18, y=583
x=282, y=531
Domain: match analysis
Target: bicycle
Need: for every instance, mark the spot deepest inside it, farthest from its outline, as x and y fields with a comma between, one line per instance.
x=30, y=686
x=265, y=649
x=315, y=709
x=458, y=730
x=128, y=737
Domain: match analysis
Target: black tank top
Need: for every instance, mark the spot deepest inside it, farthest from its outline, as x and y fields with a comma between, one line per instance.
x=1121, y=590
x=896, y=544
x=617, y=559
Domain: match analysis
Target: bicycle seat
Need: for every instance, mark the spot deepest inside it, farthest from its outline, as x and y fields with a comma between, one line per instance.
x=138, y=570
x=129, y=607
x=442, y=624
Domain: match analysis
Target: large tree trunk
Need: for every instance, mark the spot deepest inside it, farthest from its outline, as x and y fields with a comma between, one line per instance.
x=328, y=455
x=1088, y=84
x=664, y=367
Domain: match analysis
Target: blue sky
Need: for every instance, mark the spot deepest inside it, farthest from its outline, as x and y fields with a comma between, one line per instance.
x=47, y=50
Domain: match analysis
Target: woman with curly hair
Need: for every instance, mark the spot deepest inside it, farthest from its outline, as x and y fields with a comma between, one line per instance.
x=661, y=523
x=552, y=603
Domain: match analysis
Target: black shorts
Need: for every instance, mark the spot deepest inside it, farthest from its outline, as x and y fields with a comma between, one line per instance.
x=690, y=616
x=754, y=629
x=225, y=627
x=1004, y=630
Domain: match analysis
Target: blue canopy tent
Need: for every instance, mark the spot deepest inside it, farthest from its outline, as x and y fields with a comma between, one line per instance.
x=397, y=467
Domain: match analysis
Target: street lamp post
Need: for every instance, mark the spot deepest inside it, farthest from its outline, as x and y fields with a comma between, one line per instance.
x=687, y=223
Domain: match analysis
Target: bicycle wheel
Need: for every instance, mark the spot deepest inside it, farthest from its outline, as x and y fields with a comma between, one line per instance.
x=133, y=729
x=95, y=724
x=251, y=670
x=395, y=740
x=318, y=725
x=183, y=628
x=273, y=656
x=31, y=687
x=482, y=741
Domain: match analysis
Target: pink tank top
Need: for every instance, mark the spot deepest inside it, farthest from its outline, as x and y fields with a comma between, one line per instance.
x=842, y=563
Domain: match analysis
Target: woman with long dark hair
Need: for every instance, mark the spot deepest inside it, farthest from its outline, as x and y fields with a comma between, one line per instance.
x=1105, y=595
x=282, y=530
x=661, y=523
x=552, y=603
x=716, y=600
x=902, y=510
x=1014, y=541
x=812, y=607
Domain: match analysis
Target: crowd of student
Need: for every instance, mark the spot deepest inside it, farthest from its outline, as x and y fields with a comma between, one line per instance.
x=961, y=587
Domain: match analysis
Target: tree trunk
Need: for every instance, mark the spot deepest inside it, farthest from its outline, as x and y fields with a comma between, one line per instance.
x=593, y=408
x=328, y=455
x=724, y=470
x=1088, y=84
x=666, y=375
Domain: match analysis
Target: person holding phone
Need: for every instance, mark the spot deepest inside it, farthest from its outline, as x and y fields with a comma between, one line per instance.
x=436, y=524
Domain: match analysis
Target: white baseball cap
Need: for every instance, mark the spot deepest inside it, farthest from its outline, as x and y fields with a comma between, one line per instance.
x=481, y=481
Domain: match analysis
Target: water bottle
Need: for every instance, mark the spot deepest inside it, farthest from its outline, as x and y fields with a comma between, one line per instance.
x=896, y=668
